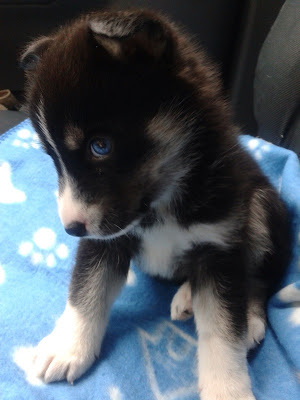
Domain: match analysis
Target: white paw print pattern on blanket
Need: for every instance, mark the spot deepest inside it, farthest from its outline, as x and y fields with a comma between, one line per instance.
x=9, y=194
x=291, y=295
x=2, y=275
x=27, y=139
x=258, y=147
x=43, y=249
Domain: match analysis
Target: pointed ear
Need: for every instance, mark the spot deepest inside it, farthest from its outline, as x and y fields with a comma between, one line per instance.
x=127, y=35
x=33, y=52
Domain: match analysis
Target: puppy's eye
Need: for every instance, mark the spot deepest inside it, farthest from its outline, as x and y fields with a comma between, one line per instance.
x=100, y=147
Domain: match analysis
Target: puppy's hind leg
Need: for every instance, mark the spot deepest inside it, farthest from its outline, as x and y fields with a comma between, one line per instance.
x=101, y=269
x=220, y=307
x=256, y=324
x=181, y=306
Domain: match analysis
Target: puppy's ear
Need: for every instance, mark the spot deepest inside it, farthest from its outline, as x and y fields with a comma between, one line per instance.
x=33, y=52
x=127, y=35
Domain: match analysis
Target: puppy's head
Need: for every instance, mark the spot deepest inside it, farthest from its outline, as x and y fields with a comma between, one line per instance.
x=103, y=95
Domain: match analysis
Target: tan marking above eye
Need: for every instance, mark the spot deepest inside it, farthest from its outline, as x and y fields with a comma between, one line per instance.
x=73, y=137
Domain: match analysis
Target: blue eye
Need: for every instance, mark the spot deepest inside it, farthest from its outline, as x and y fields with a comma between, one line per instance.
x=100, y=147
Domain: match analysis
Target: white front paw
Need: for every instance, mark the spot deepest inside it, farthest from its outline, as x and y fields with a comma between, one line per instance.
x=216, y=393
x=226, y=389
x=230, y=382
x=69, y=350
x=57, y=358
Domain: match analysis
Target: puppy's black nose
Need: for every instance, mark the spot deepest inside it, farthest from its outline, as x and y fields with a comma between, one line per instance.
x=76, y=229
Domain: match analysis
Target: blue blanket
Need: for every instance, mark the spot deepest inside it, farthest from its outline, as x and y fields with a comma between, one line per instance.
x=144, y=354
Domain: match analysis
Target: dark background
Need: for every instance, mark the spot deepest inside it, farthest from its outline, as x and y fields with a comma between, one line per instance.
x=232, y=32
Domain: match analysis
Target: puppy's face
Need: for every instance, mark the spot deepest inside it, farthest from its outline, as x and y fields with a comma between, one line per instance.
x=100, y=93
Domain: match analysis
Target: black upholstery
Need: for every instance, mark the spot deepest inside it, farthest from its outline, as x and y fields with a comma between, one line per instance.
x=256, y=22
x=277, y=80
x=214, y=23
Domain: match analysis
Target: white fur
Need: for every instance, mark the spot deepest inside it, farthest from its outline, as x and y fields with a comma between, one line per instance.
x=75, y=342
x=70, y=349
x=181, y=309
x=181, y=306
x=256, y=330
x=256, y=325
x=72, y=209
x=121, y=232
x=44, y=128
x=222, y=364
x=167, y=240
x=111, y=28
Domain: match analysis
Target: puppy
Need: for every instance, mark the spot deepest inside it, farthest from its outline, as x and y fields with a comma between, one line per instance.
x=150, y=169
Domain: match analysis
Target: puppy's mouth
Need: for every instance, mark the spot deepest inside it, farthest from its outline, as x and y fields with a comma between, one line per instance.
x=94, y=221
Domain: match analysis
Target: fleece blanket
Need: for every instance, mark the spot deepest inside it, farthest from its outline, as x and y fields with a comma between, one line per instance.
x=144, y=355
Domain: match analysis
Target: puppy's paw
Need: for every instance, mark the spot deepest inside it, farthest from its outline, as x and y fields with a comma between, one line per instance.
x=226, y=389
x=181, y=306
x=225, y=377
x=215, y=393
x=58, y=358
x=256, y=330
x=68, y=351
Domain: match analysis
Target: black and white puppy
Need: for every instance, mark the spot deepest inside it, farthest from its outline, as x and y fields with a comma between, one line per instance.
x=150, y=170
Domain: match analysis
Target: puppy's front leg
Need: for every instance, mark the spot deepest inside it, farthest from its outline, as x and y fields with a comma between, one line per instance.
x=100, y=271
x=220, y=309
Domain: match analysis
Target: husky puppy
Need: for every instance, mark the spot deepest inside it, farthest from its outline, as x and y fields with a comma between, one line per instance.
x=150, y=169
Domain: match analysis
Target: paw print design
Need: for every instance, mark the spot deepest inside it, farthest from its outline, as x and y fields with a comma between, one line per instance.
x=258, y=148
x=291, y=295
x=43, y=249
x=27, y=139
x=2, y=275
x=9, y=194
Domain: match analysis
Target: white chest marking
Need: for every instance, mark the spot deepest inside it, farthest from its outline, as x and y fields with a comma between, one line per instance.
x=161, y=244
